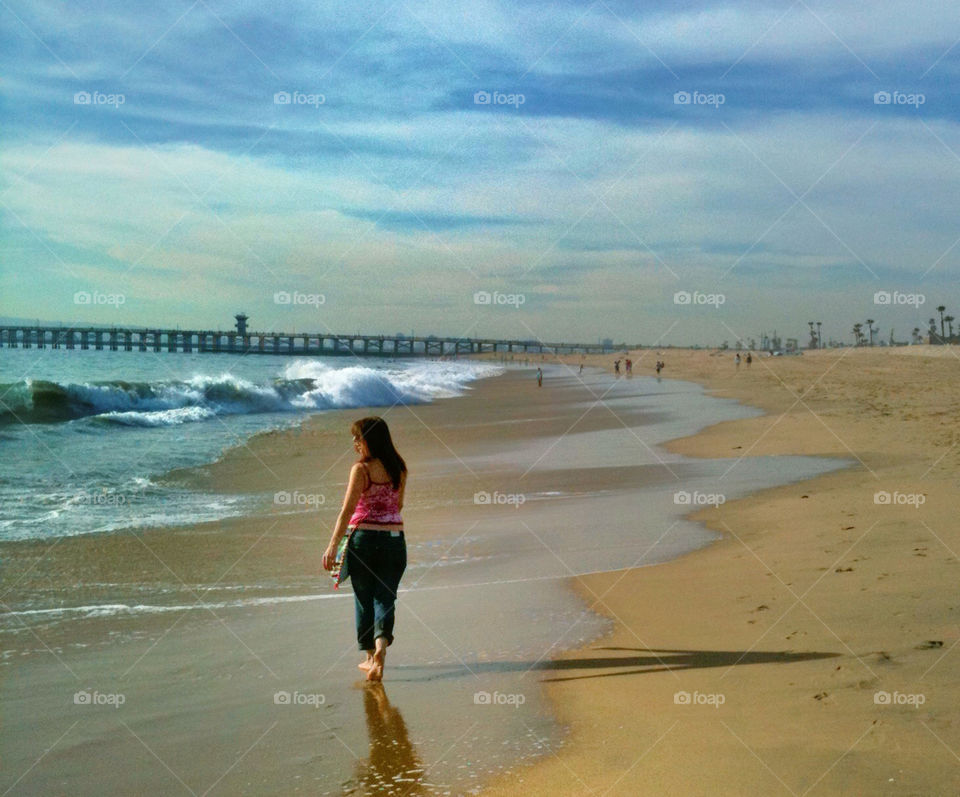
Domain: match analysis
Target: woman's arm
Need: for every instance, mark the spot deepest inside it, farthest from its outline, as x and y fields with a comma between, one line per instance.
x=403, y=484
x=354, y=488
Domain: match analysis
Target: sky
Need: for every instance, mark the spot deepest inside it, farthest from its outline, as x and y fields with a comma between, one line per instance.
x=675, y=173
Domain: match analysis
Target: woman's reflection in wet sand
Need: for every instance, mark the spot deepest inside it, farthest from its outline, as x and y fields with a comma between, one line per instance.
x=393, y=766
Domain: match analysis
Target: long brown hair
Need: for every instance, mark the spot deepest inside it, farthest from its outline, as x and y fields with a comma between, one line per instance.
x=376, y=435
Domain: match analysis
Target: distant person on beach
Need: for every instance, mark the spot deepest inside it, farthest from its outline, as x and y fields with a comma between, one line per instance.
x=659, y=367
x=738, y=359
x=749, y=359
x=581, y=368
x=616, y=366
x=375, y=553
x=629, y=364
x=539, y=377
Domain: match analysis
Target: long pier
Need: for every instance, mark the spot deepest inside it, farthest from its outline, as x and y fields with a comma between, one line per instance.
x=282, y=343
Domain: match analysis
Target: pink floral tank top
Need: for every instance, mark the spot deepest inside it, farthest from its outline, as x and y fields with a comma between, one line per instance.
x=377, y=508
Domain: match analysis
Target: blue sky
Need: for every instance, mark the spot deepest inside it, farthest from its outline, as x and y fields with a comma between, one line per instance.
x=396, y=196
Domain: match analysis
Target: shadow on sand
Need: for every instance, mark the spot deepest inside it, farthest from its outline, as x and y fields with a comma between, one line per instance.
x=393, y=763
x=645, y=660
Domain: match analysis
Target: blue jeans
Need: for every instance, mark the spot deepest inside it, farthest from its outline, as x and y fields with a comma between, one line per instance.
x=377, y=561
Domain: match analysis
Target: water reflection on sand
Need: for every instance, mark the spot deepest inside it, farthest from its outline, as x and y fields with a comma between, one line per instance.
x=393, y=765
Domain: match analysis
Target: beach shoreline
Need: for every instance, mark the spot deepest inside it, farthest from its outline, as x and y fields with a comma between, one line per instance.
x=156, y=614
x=851, y=598
x=579, y=737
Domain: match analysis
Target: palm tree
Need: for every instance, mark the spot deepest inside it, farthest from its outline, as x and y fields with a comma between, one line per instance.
x=949, y=319
x=870, y=329
x=857, y=334
x=819, y=339
x=813, y=336
x=940, y=310
x=916, y=334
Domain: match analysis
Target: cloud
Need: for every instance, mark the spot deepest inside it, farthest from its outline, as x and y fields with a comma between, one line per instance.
x=399, y=191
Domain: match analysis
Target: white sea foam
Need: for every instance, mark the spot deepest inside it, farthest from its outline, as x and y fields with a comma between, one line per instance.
x=361, y=386
x=172, y=417
x=304, y=385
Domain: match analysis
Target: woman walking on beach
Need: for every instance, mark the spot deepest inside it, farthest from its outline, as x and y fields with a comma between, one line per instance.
x=376, y=551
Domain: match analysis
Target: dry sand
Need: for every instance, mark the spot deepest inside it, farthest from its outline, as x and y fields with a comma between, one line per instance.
x=810, y=567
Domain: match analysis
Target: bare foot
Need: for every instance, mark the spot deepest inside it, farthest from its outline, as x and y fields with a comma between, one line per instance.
x=375, y=673
x=365, y=664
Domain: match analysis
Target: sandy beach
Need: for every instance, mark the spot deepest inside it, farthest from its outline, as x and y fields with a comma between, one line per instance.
x=751, y=664
x=694, y=707
x=197, y=629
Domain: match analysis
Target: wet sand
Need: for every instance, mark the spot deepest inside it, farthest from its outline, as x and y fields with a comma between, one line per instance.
x=202, y=632
x=813, y=650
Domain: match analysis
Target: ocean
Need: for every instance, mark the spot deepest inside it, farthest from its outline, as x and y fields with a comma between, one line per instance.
x=84, y=435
